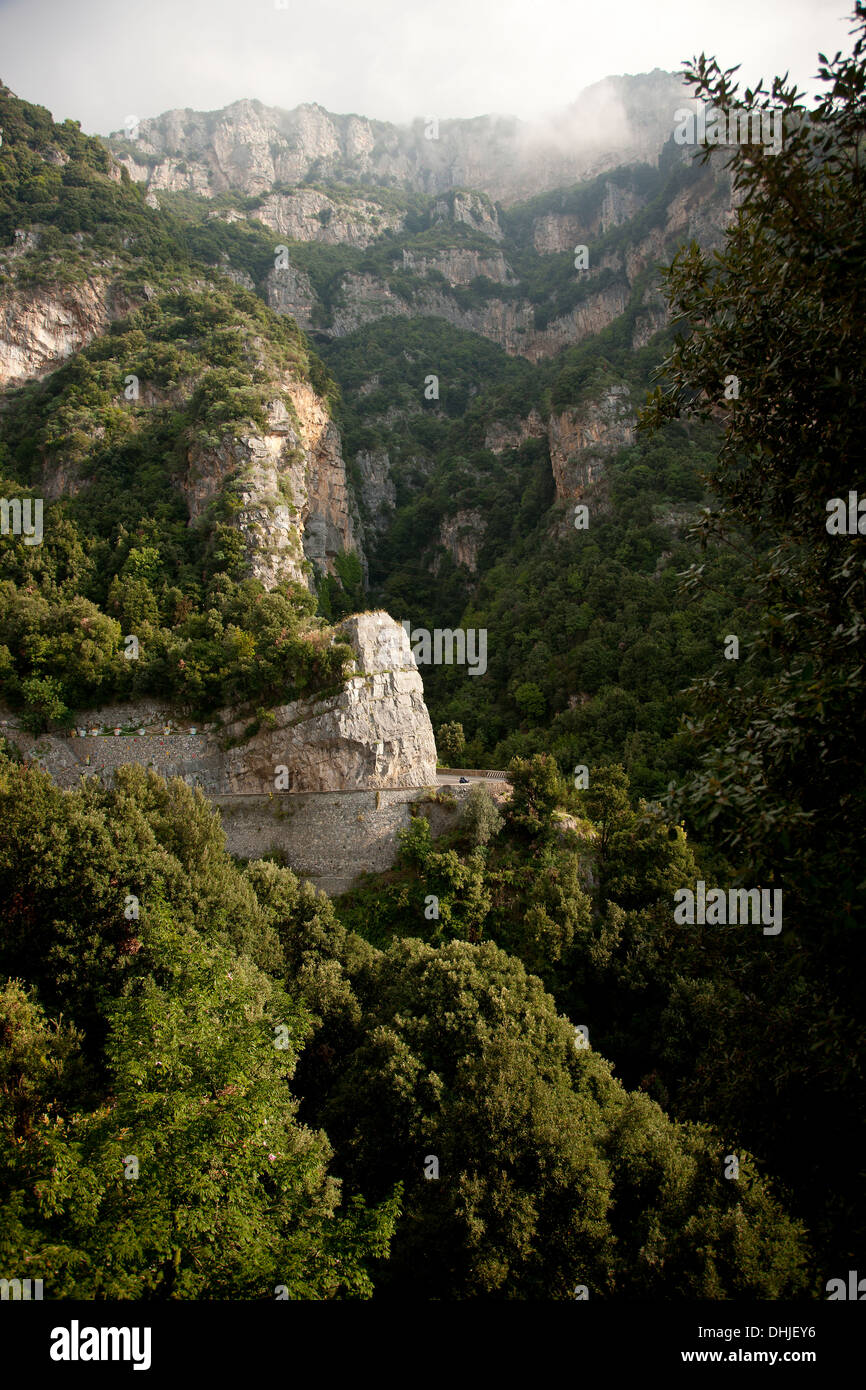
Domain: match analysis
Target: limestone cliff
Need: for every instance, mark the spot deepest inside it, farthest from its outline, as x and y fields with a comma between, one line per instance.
x=462, y=536
x=701, y=212
x=583, y=438
x=364, y=298
x=560, y=231
x=283, y=485
x=306, y=214
x=580, y=440
x=468, y=209
x=289, y=291
x=460, y=266
x=42, y=325
x=502, y=434
x=310, y=214
x=287, y=487
x=378, y=489
x=251, y=147
x=375, y=732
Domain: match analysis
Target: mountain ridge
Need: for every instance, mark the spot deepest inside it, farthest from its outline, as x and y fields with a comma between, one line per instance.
x=250, y=146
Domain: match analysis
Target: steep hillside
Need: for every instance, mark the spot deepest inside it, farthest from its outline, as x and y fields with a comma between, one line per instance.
x=310, y=425
x=175, y=439
x=510, y=275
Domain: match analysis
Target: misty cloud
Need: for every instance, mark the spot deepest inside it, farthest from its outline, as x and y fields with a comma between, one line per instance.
x=99, y=62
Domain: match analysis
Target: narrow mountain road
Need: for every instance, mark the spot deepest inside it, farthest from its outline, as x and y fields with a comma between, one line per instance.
x=451, y=777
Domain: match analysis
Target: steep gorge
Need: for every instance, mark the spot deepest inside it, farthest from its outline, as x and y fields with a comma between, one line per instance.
x=284, y=477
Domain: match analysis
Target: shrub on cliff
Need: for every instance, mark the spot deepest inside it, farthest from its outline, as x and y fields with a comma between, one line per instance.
x=479, y=818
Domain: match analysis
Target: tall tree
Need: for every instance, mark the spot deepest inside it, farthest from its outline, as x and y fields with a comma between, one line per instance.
x=772, y=344
x=777, y=320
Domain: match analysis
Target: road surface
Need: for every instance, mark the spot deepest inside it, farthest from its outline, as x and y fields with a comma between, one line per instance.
x=452, y=779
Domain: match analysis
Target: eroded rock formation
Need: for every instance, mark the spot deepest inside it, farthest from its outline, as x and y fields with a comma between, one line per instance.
x=582, y=439
x=251, y=147
x=462, y=535
x=375, y=732
x=287, y=486
x=43, y=325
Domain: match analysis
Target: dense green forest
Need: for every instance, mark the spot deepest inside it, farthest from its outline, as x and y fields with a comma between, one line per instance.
x=156, y=1038
x=503, y=1069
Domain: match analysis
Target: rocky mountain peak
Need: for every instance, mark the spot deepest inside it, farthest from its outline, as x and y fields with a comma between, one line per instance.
x=249, y=147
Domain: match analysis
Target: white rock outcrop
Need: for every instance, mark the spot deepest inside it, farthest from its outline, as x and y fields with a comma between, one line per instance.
x=42, y=326
x=252, y=147
x=373, y=733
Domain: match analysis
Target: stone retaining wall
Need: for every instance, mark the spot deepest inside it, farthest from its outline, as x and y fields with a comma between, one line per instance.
x=328, y=837
x=188, y=756
x=474, y=772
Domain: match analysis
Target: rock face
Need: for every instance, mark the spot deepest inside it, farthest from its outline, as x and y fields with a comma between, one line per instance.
x=376, y=732
x=378, y=489
x=289, y=291
x=252, y=147
x=503, y=434
x=583, y=438
x=702, y=212
x=287, y=488
x=471, y=210
x=561, y=231
x=580, y=440
x=364, y=298
x=461, y=267
x=359, y=760
x=556, y=231
x=41, y=327
x=462, y=536
x=310, y=215
x=328, y=517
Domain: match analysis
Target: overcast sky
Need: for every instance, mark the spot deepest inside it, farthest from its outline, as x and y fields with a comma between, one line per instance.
x=102, y=60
